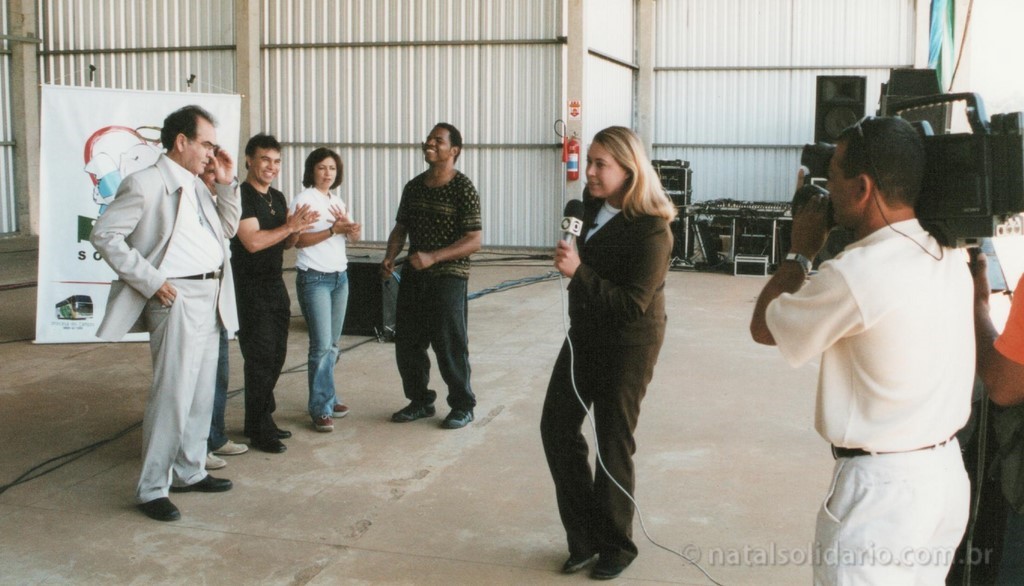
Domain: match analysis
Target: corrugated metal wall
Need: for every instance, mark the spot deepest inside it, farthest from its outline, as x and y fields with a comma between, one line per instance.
x=610, y=96
x=8, y=207
x=371, y=77
x=735, y=82
x=138, y=44
x=611, y=72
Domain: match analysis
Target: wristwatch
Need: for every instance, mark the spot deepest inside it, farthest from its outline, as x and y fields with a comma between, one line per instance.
x=805, y=264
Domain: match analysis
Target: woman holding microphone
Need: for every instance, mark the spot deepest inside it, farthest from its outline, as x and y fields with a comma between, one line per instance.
x=616, y=271
x=321, y=282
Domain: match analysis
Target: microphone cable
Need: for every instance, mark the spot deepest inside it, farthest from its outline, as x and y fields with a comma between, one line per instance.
x=597, y=447
x=62, y=460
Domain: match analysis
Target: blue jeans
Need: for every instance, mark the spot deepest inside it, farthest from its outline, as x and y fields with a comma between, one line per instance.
x=323, y=298
x=217, y=437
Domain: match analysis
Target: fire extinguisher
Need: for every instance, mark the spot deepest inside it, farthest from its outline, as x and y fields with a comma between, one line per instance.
x=572, y=159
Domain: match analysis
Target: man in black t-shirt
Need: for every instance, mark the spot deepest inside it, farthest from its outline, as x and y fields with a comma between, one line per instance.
x=264, y=309
x=440, y=215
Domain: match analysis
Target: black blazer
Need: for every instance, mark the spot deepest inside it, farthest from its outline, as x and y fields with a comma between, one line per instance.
x=617, y=296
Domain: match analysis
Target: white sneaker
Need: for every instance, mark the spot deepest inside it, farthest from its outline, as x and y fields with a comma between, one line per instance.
x=214, y=463
x=231, y=449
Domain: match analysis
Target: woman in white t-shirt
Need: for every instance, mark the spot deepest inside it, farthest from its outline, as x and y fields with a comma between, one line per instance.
x=321, y=282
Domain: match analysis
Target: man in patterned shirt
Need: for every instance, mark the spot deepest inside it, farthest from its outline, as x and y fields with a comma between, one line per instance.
x=440, y=215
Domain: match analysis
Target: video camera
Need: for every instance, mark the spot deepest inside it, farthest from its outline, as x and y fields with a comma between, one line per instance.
x=973, y=182
x=815, y=158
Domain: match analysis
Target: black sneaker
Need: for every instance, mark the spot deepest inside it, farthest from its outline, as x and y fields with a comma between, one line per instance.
x=577, y=562
x=412, y=412
x=457, y=419
x=608, y=569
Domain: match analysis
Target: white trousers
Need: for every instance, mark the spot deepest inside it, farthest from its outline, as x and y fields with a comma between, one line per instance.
x=892, y=519
x=184, y=343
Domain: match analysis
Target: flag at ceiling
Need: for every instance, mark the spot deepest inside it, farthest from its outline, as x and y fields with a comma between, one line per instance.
x=940, y=42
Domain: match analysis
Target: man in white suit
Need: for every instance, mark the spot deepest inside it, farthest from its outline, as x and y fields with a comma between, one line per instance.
x=165, y=238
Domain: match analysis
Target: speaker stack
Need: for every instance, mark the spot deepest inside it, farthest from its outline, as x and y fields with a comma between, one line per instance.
x=904, y=84
x=676, y=177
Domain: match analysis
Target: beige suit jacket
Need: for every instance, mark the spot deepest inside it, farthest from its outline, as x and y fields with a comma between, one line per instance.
x=132, y=236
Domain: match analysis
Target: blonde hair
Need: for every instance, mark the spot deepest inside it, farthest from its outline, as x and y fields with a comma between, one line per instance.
x=644, y=194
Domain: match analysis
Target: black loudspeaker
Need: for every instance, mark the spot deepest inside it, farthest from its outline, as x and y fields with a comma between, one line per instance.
x=839, y=103
x=371, y=302
x=912, y=83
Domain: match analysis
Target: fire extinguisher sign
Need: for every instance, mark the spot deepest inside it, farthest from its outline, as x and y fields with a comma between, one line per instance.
x=575, y=109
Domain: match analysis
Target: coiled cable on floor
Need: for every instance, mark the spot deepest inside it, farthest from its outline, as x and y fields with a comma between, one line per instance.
x=64, y=459
x=514, y=284
x=58, y=462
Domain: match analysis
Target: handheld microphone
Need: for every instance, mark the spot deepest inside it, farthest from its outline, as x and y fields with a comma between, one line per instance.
x=572, y=223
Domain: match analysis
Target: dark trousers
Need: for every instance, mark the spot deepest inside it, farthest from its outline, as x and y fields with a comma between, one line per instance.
x=597, y=516
x=264, y=311
x=432, y=312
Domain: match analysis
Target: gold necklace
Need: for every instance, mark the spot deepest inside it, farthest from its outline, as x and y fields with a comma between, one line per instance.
x=269, y=199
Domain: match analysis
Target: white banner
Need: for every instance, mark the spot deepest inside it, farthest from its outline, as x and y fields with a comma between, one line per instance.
x=90, y=140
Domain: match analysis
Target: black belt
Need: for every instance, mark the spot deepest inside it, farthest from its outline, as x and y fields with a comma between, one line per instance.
x=211, y=275
x=838, y=452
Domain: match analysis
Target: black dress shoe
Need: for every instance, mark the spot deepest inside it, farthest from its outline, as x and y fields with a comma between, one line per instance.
x=270, y=445
x=607, y=569
x=161, y=509
x=278, y=433
x=577, y=562
x=208, y=484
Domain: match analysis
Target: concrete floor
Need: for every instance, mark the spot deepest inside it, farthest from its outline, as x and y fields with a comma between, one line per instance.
x=729, y=468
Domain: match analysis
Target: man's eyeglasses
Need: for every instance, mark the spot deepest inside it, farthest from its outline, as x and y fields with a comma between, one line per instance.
x=207, y=145
x=862, y=133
